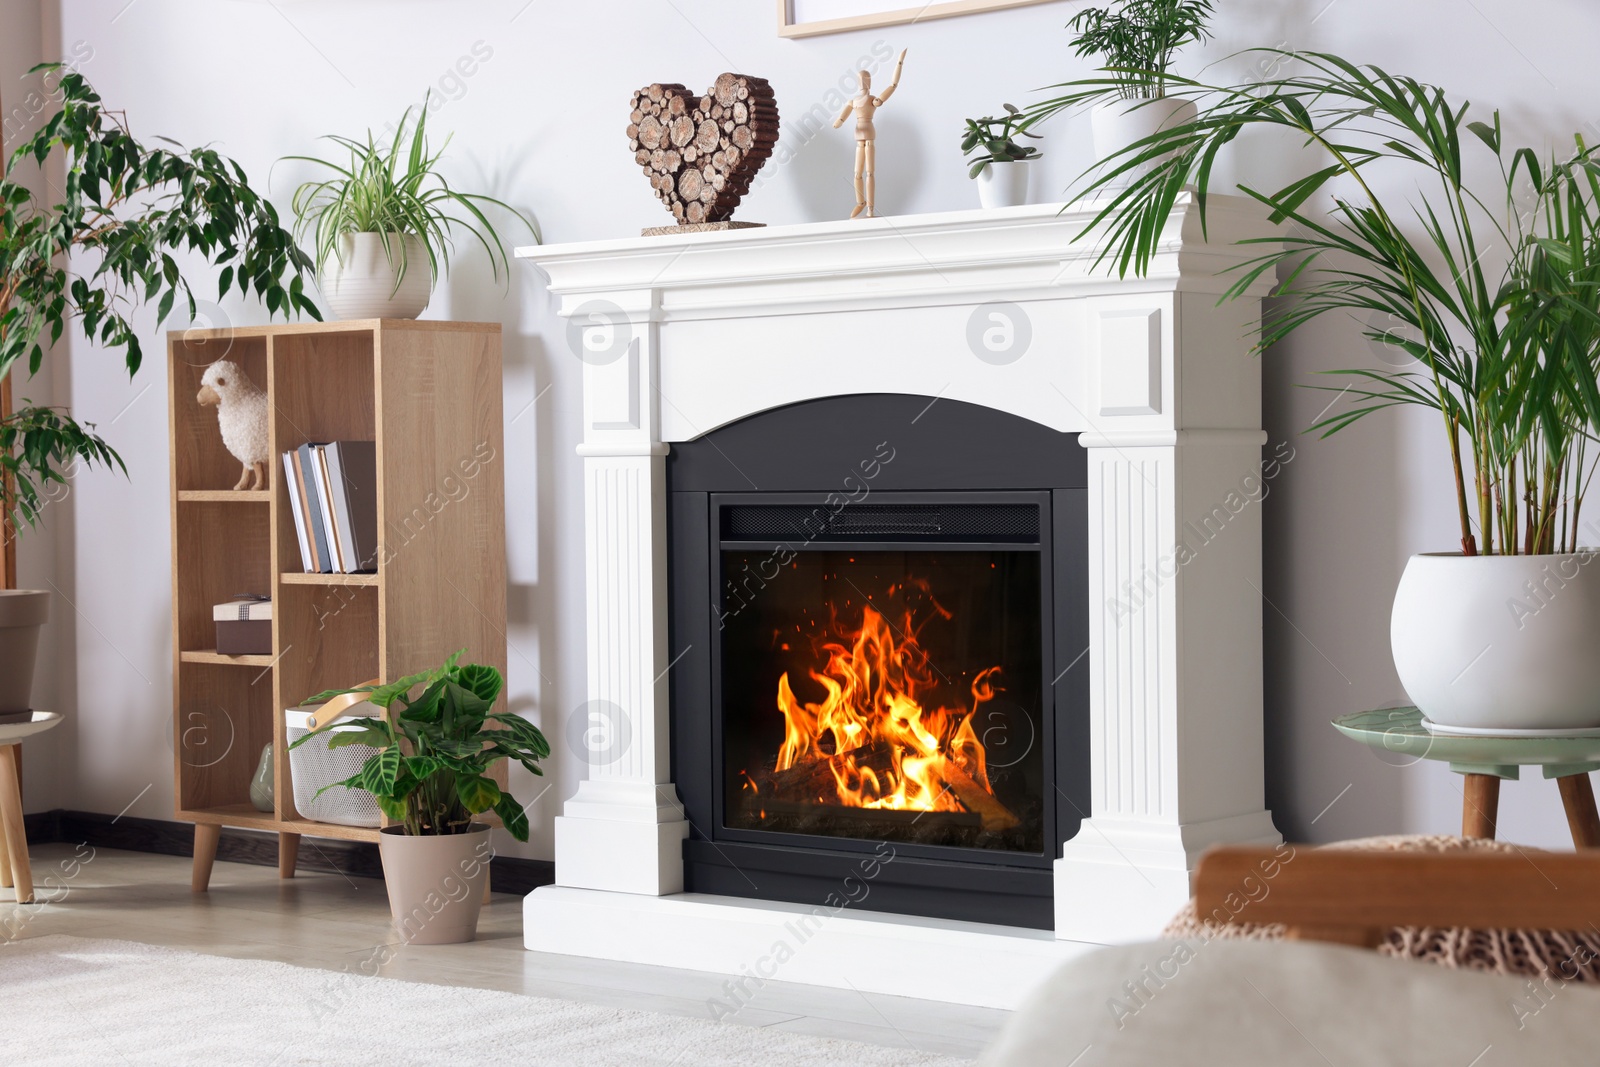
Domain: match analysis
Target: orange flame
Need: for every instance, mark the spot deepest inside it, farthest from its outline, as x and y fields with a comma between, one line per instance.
x=885, y=747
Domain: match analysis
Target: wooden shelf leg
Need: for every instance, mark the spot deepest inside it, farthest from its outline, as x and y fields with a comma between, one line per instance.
x=288, y=853
x=206, y=836
x=1577, y=796
x=11, y=825
x=1480, y=805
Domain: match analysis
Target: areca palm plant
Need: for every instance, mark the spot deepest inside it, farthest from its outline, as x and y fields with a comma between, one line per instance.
x=1493, y=306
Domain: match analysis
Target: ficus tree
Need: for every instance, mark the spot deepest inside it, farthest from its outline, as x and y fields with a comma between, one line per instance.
x=102, y=245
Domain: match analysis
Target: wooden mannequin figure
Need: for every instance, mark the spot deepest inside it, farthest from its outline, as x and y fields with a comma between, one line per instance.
x=864, y=105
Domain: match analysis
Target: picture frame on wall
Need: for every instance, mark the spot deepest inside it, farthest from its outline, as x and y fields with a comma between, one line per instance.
x=809, y=18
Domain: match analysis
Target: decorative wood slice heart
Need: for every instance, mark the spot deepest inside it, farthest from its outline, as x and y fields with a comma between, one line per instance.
x=700, y=153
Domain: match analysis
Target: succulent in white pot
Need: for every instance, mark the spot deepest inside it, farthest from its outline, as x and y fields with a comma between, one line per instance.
x=1485, y=306
x=1002, y=166
x=382, y=224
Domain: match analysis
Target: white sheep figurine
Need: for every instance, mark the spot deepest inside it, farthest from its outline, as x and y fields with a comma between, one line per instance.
x=242, y=415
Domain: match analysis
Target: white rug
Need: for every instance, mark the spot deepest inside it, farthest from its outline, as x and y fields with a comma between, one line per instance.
x=73, y=1001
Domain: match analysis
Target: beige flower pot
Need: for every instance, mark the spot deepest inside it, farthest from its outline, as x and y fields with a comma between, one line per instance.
x=359, y=281
x=435, y=883
x=22, y=613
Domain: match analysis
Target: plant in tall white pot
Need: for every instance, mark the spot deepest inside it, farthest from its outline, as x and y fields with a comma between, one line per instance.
x=1001, y=167
x=1138, y=41
x=381, y=225
x=1487, y=303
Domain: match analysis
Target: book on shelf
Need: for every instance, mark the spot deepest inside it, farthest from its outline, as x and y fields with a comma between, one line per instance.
x=353, y=471
x=301, y=531
x=304, y=464
x=333, y=494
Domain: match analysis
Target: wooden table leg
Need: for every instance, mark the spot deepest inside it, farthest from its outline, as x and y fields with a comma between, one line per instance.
x=11, y=824
x=488, y=890
x=1480, y=805
x=1577, y=796
x=5, y=861
x=206, y=836
x=288, y=853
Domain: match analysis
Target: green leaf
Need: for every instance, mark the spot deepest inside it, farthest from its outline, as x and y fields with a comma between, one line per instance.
x=377, y=737
x=477, y=793
x=382, y=772
x=482, y=681
x=511, y=815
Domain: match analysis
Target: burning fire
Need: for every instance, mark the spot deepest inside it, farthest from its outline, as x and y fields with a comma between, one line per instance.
x=880, y=742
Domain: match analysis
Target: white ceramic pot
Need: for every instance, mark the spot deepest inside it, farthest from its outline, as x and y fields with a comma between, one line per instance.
x=435, y=884
x=1119, y=123
x=1004, y=184
x=359, y=282
x=1500, y=642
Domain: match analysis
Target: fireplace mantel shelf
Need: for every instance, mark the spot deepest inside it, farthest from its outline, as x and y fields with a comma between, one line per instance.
x=683, y=334
x=1021, y=253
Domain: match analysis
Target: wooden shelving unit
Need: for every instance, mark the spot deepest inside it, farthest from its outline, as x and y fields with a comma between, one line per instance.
x=429, y=394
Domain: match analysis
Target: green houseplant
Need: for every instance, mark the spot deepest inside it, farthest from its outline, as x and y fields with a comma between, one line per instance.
x=384, y=213
x=1001, y=182
x=1502, y=347
x=431, y=774
x=123, y=209
x=1137, y=41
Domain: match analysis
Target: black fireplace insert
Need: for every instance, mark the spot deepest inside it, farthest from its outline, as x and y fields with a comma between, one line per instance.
x=878, y=620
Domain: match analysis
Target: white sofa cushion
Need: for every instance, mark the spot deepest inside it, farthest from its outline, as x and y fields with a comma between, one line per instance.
x=1250, y=1003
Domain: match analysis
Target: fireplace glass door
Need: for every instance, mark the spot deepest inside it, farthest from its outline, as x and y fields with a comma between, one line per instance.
x=882, y=674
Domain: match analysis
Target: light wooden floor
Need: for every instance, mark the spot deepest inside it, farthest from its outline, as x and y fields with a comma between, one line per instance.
x=333, y=922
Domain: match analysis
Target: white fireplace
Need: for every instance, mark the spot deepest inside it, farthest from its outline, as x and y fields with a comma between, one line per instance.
x=682, y=335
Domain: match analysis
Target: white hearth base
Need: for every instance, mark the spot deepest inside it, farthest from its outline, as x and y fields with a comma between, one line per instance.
x=755, y=942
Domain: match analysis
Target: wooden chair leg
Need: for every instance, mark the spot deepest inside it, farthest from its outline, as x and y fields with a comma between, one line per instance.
x=206, y=836
x=1480, y=805
x=11, y=824
x=288, y=853
x=1577, y=796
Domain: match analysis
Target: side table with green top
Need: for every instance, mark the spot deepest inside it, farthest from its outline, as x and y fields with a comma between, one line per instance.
x=1484, y=761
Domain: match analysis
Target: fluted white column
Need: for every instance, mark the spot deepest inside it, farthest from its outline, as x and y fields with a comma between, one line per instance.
x=1175, y=674
x=623, y=829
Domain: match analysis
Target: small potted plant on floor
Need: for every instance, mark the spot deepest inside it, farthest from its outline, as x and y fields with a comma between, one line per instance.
x=1485, y=303
x=431, y=775
x=125, y=212
x=999, y=167
x=1137, y=40
x=381, y=225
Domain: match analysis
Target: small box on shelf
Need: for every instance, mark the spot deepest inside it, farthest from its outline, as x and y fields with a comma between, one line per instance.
x=244, y=626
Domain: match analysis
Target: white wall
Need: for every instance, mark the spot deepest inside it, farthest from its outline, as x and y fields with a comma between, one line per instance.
x=539, y=121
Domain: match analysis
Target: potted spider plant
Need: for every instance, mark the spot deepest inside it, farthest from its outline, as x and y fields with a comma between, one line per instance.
x=1137, y=41
x=1502, y=347
x=381, y=225
x=998, y=169
x=130, y=208
x=431, y=776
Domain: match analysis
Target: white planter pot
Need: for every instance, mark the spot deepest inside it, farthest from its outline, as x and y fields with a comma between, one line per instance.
x=1500, y=642
x=1119, y=123
x=1004, y=184
x=435, y=884
x=360, y=282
